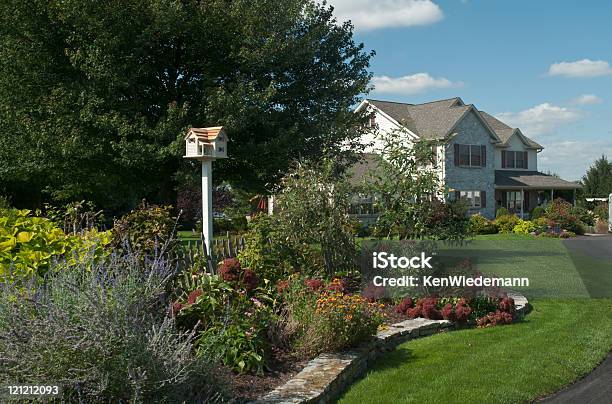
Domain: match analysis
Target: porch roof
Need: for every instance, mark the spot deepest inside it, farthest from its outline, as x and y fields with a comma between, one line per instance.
x=531, y=180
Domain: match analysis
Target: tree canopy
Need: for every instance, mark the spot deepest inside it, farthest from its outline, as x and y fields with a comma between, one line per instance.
x=95, y=96
x=598, y=179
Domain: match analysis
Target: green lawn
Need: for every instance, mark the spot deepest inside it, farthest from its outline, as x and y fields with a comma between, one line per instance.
x=562, y=339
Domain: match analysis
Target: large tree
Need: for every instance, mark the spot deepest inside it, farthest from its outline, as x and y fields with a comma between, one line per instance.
x=95, y=95
x=598, y=179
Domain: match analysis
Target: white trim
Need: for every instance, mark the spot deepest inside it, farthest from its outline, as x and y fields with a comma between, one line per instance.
x=386, y=116
x=471, y=107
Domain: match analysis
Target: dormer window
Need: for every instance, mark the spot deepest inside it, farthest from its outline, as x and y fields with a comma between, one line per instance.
x=514, y=159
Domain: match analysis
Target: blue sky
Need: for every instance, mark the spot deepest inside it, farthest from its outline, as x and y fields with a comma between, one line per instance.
x=543, y=66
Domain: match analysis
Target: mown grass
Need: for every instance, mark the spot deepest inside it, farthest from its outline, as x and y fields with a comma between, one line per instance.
x=557, y=343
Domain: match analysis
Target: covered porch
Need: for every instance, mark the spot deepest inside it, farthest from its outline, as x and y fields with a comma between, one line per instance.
x=521, y=191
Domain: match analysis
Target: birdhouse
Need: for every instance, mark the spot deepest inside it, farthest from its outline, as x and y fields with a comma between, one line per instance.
x=206, y=143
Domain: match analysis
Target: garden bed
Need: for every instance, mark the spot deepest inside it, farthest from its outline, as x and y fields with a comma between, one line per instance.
x=327, y=376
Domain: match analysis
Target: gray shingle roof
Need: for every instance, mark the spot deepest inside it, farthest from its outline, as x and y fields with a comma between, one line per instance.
x=504, y=132
x=531, y=180
x=434, y=120
x=366, y=166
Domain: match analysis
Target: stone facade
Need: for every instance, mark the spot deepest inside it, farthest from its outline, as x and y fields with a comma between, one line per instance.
x=472, y=131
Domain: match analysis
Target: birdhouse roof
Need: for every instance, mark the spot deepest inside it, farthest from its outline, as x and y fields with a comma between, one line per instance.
x=205, y=133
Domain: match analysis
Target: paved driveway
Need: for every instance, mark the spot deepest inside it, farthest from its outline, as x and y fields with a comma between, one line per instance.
x=599, y=247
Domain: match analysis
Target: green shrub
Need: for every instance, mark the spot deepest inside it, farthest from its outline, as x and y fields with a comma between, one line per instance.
x=231, y=315
x=501, y=212
x=481, y=225
x=537, y=213
x=525, y=227
x=149, y=229
x=103, y=336
x=29, y=244
x=506, y=223
x=271, y=255
x=326, y=319
x=601, y=212
x=583, y=215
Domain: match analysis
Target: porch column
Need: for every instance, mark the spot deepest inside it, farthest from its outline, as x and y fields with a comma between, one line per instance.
x=574, y=196
x=552, y=195
x=522, y=203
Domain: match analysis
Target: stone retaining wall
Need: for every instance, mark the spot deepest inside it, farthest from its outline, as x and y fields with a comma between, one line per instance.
x=328, y=375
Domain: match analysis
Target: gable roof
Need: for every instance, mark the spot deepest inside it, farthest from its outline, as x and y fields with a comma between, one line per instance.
x=437, y=119
x=505, y=132
x=207, y=134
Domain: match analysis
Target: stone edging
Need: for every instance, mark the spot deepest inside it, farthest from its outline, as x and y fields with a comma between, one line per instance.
x=327, y=376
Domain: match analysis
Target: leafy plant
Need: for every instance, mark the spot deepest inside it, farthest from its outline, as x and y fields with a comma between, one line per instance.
x=501, y=212
x=525, y=227
x=506, y=223
x=29, y=244
x=481, y=225
x=602, y=212
x=149, y=230
x=537, y=213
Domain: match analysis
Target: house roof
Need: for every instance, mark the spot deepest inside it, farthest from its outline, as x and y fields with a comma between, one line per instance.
x=210, y=133
x=505, y=132
x=531, y=180
x=436, y=119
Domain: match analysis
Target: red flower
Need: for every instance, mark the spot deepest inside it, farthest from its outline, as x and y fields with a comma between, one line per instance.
x=193, y=296
x=230, y=269
x=462, y=311
x=250, y=279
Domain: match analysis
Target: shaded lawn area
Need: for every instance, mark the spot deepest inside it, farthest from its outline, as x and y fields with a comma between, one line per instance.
x=557, y=343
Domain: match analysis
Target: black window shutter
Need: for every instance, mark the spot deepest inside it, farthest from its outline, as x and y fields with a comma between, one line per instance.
x=525, y=164
x=483, y=199
x=483, y=155
x=503, y=159
x=456, y=154
x=457, y=195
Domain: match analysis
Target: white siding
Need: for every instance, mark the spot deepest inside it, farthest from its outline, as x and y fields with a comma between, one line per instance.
x=515, y=144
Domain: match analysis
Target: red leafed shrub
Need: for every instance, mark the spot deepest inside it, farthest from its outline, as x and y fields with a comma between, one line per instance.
x=404, y=305
x=430, y=309
x=230, y=269
x=493, y=319
x=462, y=311
x=448, y=312
x=414, y=312
x=250, y=279
x=193, y=296
x=372, y=293
x=506, y=305
x=314, y=284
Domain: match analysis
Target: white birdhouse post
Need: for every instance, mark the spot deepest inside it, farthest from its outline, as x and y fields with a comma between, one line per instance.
x=206, y=145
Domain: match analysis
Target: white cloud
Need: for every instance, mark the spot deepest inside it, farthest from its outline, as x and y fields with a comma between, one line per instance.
x=580, y=68
x=541, y=119
x=408, y=85
x=571, y=159
x=587, y=99
x=370, y=15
